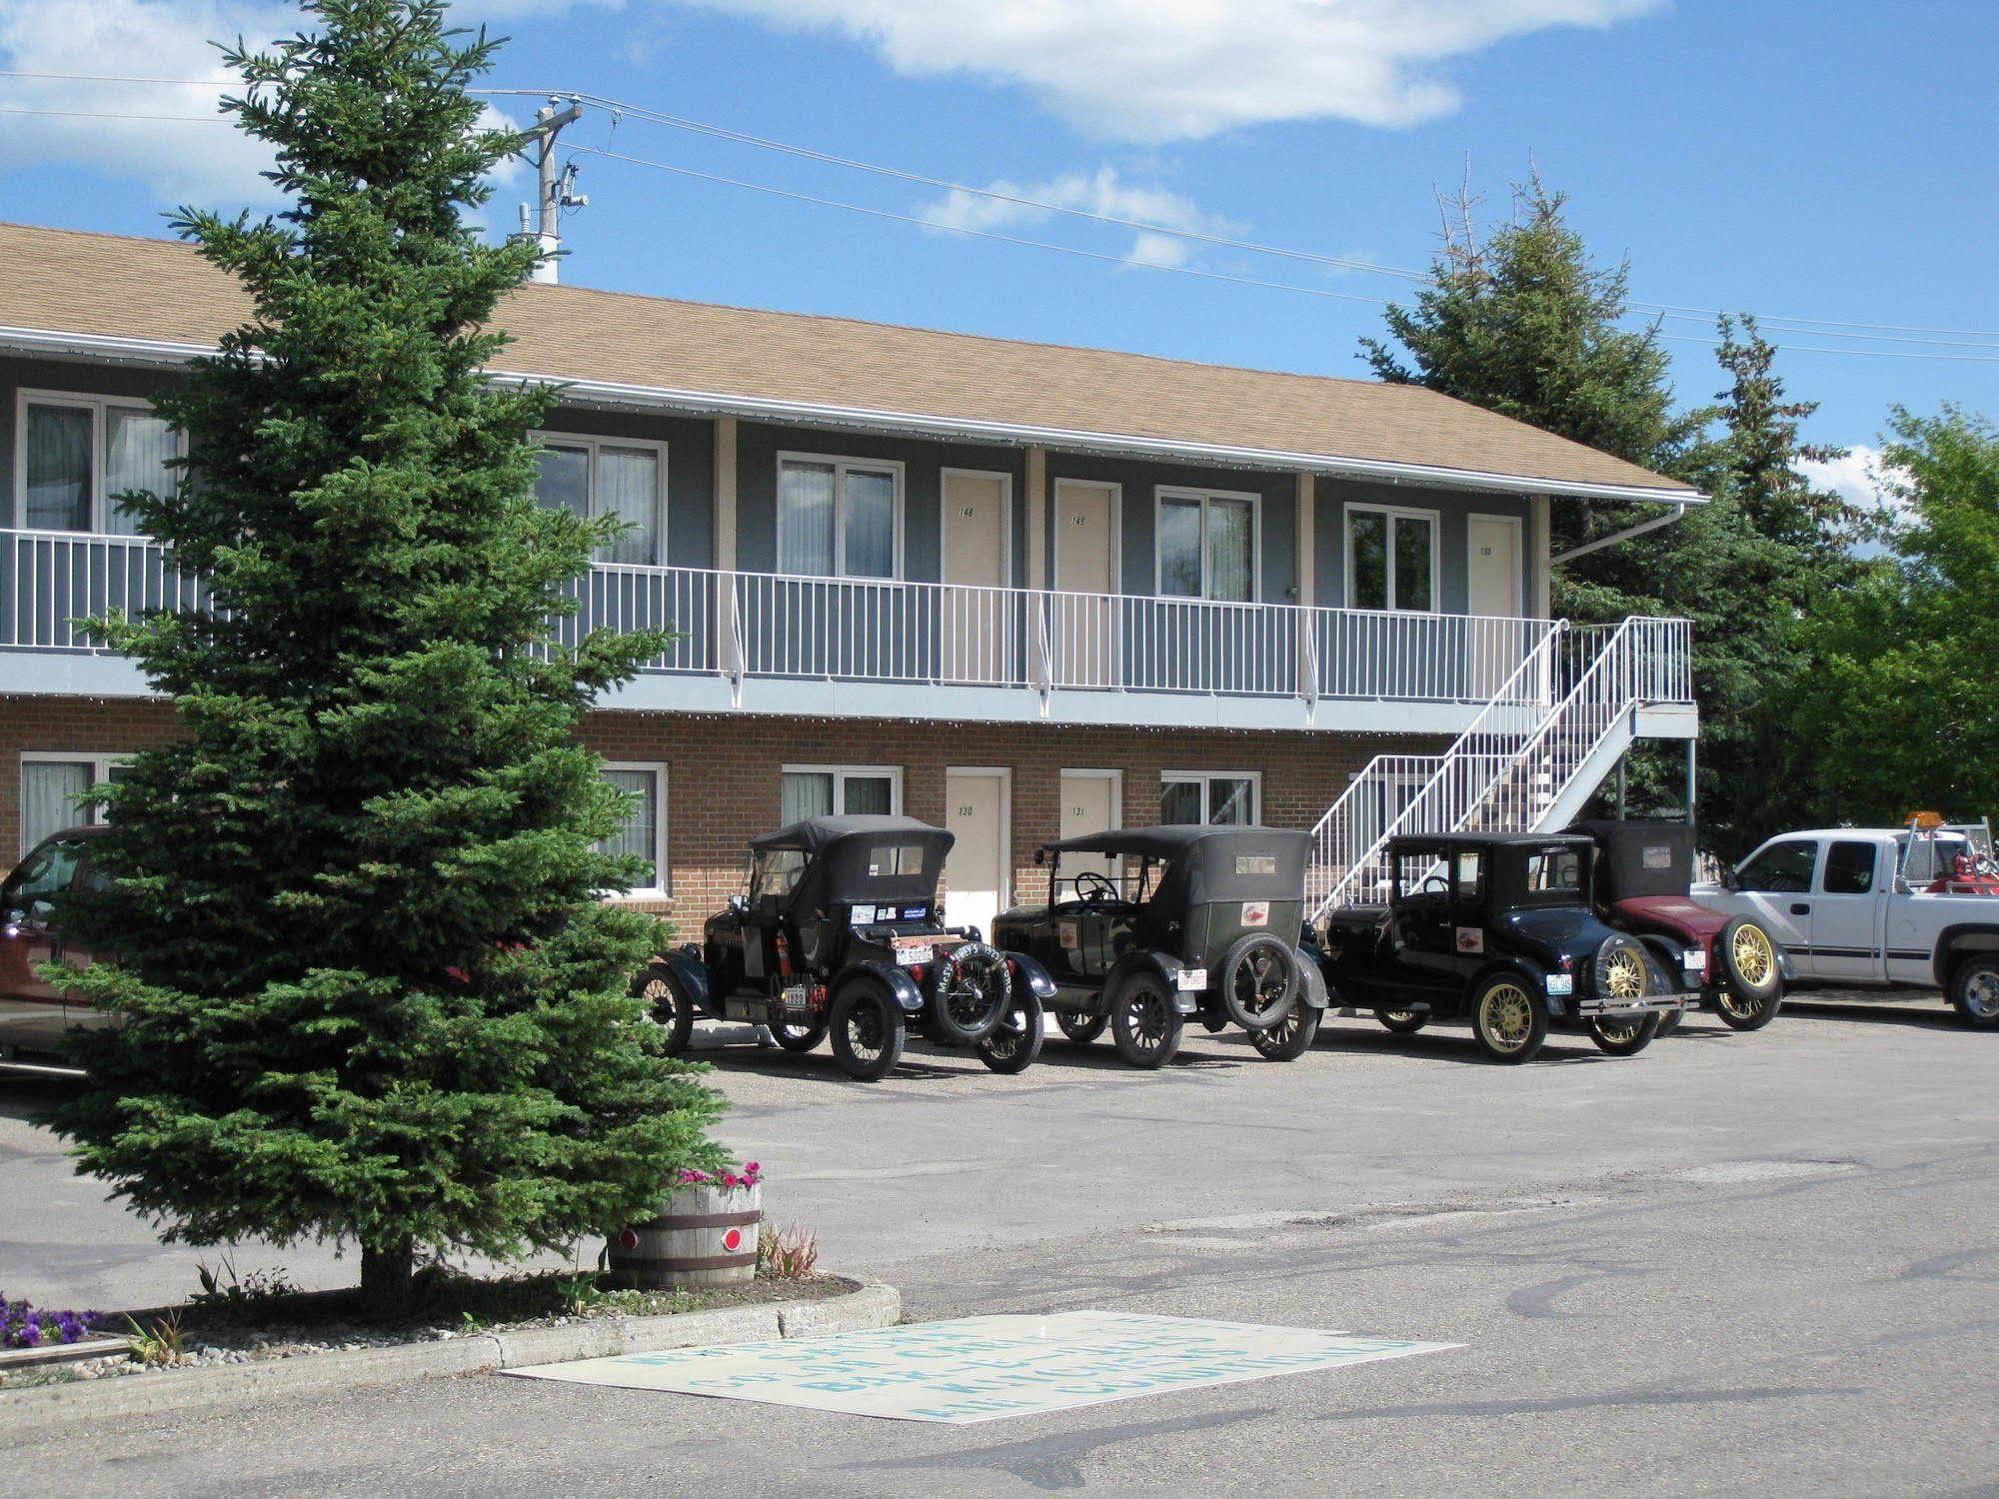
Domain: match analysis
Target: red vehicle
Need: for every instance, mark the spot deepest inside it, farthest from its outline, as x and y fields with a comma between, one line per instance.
x=1644, y=872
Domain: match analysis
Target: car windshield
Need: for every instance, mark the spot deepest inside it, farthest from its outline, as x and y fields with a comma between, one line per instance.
x=1135, y=880
x=43, y=873
x=775, y=871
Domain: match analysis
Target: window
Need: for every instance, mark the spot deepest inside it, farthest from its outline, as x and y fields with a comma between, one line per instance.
x=1784, y=868
x=1207, y=545
x=1391, y=558
x=1230, y=797
x=838, y=517
x=1470, y=876
x=1555, y=871
x=594, y=476
x=1849, y=869
x=643, y=831
x=47, y=874
x=53, y=787
x=821, y=790
x=76, y=454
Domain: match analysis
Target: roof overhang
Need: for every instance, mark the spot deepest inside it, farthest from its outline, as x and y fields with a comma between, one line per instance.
x=612, y=395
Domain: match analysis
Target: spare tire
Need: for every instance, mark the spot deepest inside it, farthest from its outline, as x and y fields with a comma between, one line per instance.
x=1751, y=975
x=1259, y=981
x=970, y=988
x=1622, y=969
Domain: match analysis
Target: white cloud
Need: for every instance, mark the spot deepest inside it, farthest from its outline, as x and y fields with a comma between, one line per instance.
x=1101, y=192
x=1860, y=478
x=1160, y=70
x=200, y=162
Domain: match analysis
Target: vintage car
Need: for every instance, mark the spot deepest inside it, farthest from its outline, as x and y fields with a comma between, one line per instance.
x=1497, y=929
x=1644, y=871
x=1149, y=927
x=841, y=931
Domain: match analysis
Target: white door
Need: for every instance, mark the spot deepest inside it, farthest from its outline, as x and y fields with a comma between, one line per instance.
x=976, y=624
x=1085, y=563
x=1090, y=804
x=975, y=810
x=1493, y=587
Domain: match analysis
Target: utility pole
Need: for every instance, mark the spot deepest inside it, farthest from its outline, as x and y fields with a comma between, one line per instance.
x=555, y=191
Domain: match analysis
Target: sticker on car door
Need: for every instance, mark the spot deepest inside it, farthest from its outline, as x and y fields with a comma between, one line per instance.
x=1256, y=913
x=1471, y=939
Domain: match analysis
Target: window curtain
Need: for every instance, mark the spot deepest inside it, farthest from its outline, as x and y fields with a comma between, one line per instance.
x=1180, y=802
x=867, y=794
x=870, y=524
x=1412, y=563
x=59, y=468
x=628, y=488
x=137, y=445
x=51, y=793
x=805, y=521
x=1231, y=801
x=1231, y=535
x=639, y=833
x=1180, y=548
x=805, y=793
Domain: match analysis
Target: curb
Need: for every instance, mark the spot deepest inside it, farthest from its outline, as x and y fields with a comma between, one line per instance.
x=29, y=1413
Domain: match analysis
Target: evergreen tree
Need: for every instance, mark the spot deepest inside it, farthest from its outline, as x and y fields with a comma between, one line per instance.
x=368, y=989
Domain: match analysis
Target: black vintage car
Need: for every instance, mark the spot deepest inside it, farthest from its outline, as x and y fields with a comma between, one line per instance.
x=1162, y=924
x=1497, y=929
x=840, y=932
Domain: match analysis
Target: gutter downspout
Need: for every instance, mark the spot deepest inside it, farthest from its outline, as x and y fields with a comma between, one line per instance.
x=1655, y=523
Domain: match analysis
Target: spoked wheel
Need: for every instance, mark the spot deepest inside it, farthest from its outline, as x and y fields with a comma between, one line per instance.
x=667, y=1005
x=1291, y=1037
x=867, y=1030
x=794, y=1037
x=1259, y=981
x=1402, y=1022
x=1669, y=1022
x=1144, y=1025
x=1974, y=992
x=1752, y=986
x=1624, y=1035
x=1016, y=1040
x=1509, y=1024
x=1081, y=1029
x=969, y=991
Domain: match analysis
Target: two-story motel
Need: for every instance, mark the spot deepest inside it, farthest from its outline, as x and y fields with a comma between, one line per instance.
x=1017, y=589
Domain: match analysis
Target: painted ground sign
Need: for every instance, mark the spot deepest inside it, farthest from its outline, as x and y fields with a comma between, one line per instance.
x=983, y=1368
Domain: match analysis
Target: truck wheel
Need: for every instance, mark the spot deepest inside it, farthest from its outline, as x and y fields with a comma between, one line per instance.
x=1752, y=984
x=1974, y=990
x=1082, y=1029
x=1624, y=1035
x=1291, y=1037
x=668, y=1006
x=1259, y=981
x=1507, y=1019
x=800, y=1037
x=867, y=1029
x=1016, y=1040
x=969, y=990
x=1144, y=1024
x=1402, y=1022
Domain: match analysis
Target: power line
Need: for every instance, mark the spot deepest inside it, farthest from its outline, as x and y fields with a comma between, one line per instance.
x=97, y=114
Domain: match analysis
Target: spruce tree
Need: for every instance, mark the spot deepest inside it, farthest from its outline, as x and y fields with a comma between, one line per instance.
x=368, y=989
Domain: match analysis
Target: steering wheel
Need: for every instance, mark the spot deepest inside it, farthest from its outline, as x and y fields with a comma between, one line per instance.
x=1443, y=885
x=1095, y=887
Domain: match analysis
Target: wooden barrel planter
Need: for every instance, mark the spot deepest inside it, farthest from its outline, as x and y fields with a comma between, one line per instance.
x=704, y=1236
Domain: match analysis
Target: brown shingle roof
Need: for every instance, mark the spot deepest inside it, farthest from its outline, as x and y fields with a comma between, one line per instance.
x=64, y=281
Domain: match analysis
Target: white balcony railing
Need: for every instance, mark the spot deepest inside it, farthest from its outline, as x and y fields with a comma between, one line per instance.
x=743, y=625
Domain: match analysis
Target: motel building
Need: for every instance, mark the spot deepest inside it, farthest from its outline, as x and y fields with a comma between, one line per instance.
x=1019, y=590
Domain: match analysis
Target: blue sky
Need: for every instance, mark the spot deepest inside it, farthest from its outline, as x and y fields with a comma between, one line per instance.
x=1825, y=160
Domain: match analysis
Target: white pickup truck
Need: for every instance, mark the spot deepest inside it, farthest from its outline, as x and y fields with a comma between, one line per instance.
x=1855, y=906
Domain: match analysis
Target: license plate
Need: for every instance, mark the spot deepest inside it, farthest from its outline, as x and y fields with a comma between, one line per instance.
x=797, y=999
x=1695, y=959
x=912, y=957
x=1193, y=978
x=1561, y=983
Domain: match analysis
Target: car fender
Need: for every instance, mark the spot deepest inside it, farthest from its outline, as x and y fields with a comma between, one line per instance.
x=1030, y=971
x=1667, y=954
x=1311, y=982
x=1162, y=966
x=1952, y=941
x=692, y=975
x=1535, y=975
x=901, y=987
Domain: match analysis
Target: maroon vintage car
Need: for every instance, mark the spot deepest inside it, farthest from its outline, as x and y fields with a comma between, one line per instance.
x=1644, y=871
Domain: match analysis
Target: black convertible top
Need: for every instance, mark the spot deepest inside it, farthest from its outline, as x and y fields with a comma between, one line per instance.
x=1641, y=858
x=1210, y=862
x=815, y=833
x=862, y=858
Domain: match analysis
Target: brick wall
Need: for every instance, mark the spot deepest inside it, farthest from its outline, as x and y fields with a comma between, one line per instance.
x=723, y=771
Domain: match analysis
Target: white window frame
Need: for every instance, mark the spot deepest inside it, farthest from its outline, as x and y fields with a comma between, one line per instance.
x=100, y=763
x=841, y=774
x=662, y=876
x=944, y=476
x=592, y=442
x=1207, y=779
x=1165, y=492
x=100, y=430
x=1393, y=513
x=840, y=465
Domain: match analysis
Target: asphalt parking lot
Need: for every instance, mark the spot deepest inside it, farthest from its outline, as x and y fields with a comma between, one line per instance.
x=1764, y=1261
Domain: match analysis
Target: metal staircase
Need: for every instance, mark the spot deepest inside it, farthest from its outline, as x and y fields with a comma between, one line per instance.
x=1532, y=758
